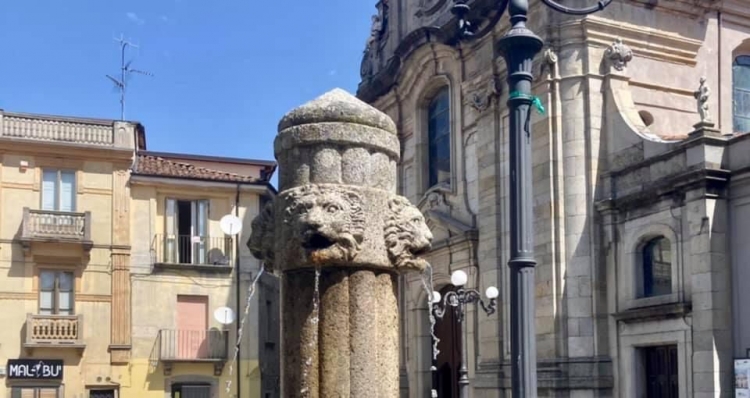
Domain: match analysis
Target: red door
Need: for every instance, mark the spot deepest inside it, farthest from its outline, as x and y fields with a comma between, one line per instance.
x=192, y=326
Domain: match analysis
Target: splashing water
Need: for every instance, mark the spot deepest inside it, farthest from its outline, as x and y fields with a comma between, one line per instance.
x=428, y=287
x=314, y=321
x=250, y=293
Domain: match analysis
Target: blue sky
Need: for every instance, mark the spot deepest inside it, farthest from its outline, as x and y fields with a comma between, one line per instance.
x=225, y=71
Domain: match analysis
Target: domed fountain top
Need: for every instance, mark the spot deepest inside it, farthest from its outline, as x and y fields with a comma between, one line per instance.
x=337, y=105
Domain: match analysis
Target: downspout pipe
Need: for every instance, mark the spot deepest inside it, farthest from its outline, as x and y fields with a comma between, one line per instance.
x=237, y=290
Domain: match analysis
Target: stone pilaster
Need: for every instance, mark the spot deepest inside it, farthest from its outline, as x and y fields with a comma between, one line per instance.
x=339, y=235
x=120, y=343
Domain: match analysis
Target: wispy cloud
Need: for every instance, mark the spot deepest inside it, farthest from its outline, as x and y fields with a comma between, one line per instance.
x=165, y=18
x=133, y=17
x=332, y=72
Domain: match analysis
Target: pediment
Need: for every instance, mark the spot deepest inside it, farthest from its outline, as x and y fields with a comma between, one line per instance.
x=438, y=215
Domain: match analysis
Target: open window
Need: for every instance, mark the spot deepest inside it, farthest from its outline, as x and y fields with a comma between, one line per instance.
x=186, y=231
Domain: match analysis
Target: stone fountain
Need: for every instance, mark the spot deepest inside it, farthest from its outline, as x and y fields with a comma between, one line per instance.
x=339, y=235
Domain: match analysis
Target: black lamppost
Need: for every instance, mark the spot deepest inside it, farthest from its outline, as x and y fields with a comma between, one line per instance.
x=458, y=300
x=519, y=46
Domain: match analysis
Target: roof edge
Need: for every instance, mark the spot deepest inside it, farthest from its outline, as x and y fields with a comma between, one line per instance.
x=220, y=159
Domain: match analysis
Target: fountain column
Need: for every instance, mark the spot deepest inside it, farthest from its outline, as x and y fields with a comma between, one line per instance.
x=339, y=235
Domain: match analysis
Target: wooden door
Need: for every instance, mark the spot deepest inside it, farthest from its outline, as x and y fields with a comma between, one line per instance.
x=192, y=325
x=448, y=330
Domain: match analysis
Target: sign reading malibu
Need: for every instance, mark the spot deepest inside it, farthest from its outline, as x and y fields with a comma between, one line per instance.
x=35, y=369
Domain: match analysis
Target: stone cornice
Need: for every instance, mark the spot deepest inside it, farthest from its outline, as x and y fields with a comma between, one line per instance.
x=689, y=8
x=645, y=42
x=54, y=148
x=377, y=85
x=656, y=312
x=713, y=181
x=200, y=184
x=552, y=374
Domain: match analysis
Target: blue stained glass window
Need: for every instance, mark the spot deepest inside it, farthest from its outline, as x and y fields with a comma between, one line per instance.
x=439, y=136
x=741, y=94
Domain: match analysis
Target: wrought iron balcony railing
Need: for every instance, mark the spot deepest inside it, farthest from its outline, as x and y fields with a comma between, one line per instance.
x=193, y=345
x=48, y=225
x=54, y=331
x=189, y=250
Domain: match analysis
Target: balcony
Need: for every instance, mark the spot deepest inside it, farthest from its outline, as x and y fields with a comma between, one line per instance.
x=56, y=227
x=193, y=346
x=57, y=129
x=201, y=253
x=61, y=331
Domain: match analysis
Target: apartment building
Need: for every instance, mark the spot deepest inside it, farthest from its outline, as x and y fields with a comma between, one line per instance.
x=184, y=270
x=114, y=264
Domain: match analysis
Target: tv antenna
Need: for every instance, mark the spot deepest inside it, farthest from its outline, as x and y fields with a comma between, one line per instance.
x=125, y=70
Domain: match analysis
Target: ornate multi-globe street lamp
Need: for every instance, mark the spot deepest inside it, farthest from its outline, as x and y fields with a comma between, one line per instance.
x=458, y=300
x=518, y=47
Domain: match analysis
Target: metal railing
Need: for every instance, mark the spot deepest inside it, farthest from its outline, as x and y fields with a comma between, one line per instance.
x=197, y=250
x=193, y=345
x=56, y=224
x=57, y=129
x=54, y=329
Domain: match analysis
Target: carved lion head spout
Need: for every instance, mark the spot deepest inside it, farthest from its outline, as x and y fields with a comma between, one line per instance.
x=406, y=235
x=328, y=221
x=262, y=239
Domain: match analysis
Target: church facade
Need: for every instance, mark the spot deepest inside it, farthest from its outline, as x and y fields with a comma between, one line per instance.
x=641, y=192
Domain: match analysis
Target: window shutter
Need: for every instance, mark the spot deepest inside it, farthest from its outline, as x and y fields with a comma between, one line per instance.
x=67, y=191
x=49, y=190
x=170, y=229
x=19, y=392
x=48, y=393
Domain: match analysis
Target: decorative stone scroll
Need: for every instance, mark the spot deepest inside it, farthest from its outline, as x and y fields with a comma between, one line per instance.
x=339, y=235
x=618, y=54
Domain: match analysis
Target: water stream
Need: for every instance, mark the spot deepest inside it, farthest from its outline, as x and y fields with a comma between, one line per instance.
x=429, y=289
x=305, y=391
x=250, y=293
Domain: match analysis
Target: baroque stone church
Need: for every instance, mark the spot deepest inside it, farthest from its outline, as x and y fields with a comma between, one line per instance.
x=641, y=192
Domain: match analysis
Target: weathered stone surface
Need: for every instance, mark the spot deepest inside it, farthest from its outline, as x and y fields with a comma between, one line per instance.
x=338, y=224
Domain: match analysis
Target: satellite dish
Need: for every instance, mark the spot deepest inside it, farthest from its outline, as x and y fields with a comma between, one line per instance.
x=230, y=225
x=224, y=315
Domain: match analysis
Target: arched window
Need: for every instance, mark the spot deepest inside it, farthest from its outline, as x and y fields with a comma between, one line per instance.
x=439, y=138
x=656, y=268
x=741, y=94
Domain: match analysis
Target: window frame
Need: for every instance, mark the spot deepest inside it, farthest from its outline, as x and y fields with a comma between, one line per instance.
x=199, y=227
x=442, y=134
x=55, y=311
x=646, y=281
x=629, y=262
x=744, y=116
x=116, y=391
x=17, y=391
x=58, y=185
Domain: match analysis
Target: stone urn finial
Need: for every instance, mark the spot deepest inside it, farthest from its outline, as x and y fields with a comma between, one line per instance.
x=337, y=224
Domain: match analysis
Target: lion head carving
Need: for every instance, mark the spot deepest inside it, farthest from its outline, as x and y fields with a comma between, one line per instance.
x=406, y=235
x=262, y=238
x=328, y=221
